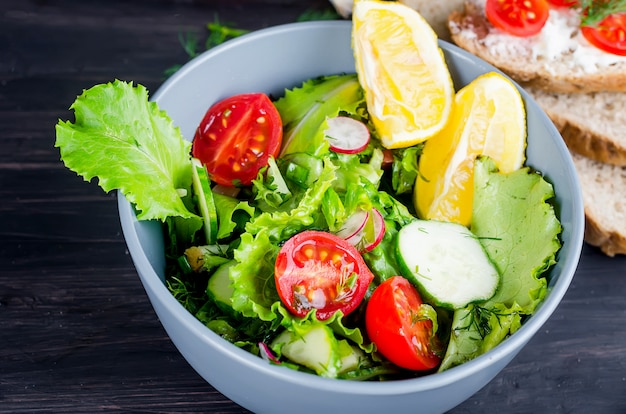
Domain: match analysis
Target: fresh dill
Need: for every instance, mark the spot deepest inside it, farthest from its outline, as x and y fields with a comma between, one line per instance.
x=594, y=11
x=218, y=33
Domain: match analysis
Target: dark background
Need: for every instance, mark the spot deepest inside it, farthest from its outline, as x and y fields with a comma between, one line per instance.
x=77, y=333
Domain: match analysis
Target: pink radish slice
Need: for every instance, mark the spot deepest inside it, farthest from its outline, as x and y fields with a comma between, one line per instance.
x=353, y=225
x=346, y=135
x=359, y=237
x=379, y=229
x=266, y=353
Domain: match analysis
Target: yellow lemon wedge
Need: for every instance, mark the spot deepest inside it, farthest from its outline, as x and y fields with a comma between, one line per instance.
x=408, y=87
x=488, y=118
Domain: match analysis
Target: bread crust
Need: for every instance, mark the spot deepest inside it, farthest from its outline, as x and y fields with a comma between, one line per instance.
x=603, y=187
x=586, y=142
x=525, y=71
x=611, y=243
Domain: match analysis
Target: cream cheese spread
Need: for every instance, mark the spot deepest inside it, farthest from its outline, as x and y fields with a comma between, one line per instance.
x=559, y=40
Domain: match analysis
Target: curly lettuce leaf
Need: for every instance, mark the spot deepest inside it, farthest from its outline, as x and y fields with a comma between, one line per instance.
x=520, y=232
x=518, y=229
x=253, y=276
x=281, y=225
x=304, y=111
x=353, y=169
x=231, y=213
x=404, y=169
x=129, y=144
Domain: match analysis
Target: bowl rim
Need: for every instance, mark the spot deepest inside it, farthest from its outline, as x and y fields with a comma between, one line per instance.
x=506, y=349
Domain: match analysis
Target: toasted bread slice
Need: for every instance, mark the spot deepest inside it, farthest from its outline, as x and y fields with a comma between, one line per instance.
x=436, y=13
x=603, y=186
x=592, y=124
x=558, y=59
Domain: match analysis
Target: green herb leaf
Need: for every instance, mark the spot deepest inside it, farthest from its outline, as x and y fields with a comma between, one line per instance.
x=594, y=11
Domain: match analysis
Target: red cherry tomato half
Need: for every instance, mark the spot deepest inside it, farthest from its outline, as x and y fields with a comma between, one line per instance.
x=518, y=17
x=318, y=270
x=237, y=136
x=608, y=35
x=563, y=3
x=393, y=325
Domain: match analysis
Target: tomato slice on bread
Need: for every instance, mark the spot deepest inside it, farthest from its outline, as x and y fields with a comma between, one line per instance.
x=609, y=34
x=321, y=271
x=394, y=324
x=518, y=17
x=237, y=136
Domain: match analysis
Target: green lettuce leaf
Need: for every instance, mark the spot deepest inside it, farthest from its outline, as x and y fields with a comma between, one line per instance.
x=362, y=168
x=520, y=232
x=304, y=111
x=129, y=144
x=232, y=214
x=281, y=225
x=253, y=277
x=518, y=229
x=476, y=329
x=404, y=169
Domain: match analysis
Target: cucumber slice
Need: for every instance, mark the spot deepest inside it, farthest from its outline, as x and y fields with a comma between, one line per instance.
x=204, y=195
x=220, y=290
x=446, y=263
x=317, y=349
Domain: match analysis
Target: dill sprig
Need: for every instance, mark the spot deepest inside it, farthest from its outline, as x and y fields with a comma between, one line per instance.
x=218, y=33
x=479, y=320
x=594, y=11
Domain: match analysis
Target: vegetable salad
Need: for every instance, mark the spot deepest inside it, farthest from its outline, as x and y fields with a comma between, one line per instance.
x=309, y=263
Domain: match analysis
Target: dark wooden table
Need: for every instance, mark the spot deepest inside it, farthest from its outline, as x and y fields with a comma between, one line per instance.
x=77, y=333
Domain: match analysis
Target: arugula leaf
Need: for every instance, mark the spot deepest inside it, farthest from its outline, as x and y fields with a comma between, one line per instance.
x=129, y=144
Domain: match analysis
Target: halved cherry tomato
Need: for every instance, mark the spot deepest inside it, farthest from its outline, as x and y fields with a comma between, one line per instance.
x=237, y=136
x=318, y=270
x=608, y=35
x=563, y=3
x=393, y=324
x=518, y=17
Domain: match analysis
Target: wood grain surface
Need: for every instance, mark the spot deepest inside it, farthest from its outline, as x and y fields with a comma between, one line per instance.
x=77, y=333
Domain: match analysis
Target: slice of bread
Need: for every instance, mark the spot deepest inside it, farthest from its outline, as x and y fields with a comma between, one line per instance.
x=558, y=59
x=603, y=187
x=592, y=124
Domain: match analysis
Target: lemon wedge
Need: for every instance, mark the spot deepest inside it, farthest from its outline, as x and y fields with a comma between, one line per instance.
x=408, y=87
x=488, y=118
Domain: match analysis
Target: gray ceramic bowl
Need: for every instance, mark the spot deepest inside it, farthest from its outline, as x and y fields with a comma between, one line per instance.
x=282, y=57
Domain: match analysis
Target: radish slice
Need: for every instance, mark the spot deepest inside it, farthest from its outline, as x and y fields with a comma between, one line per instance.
x=353, y=225
x=364, y=230
x=266, y=353
x=379, y=230
x=346, y=135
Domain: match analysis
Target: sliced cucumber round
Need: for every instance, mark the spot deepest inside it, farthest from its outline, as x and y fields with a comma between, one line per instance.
x=220, y=290
x=446, y=263
x=204, y=196
x=317, y=349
